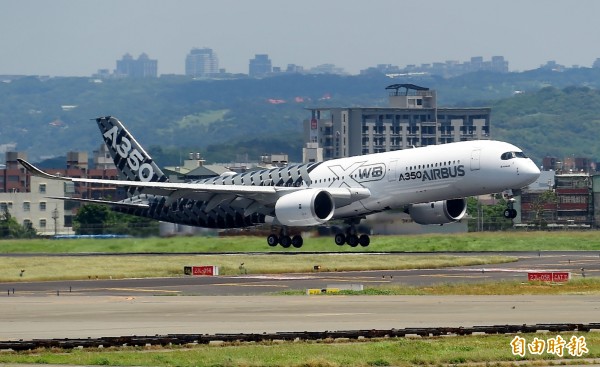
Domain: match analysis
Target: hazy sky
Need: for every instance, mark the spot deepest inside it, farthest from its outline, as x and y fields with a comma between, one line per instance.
x=78, y=37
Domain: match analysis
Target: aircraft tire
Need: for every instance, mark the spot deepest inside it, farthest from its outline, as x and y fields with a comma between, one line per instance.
x=285, y=241
x=364, y=240
x=340, y=239
x=297, y=241
x=352, y=240
x=272, y=240
x=507, y=213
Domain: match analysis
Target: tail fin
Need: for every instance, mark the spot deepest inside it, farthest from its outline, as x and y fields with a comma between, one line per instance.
x=131, y=159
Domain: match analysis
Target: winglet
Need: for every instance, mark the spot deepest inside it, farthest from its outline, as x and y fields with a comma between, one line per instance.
x=38, y=172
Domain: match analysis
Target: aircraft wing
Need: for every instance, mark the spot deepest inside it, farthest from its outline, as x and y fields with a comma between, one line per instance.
x=213, y=194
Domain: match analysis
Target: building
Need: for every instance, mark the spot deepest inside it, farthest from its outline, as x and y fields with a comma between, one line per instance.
x=413, y=119
x=201, y=63
x=143, y=67
x=260, y=65
x=448, y=68
x=26, y=196
x=575, y=196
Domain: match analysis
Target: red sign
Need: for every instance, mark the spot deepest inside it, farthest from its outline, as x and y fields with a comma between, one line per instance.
x=548, y=276
x=201, y=270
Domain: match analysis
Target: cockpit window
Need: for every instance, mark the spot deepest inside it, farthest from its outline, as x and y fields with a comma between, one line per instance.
x=510, y=155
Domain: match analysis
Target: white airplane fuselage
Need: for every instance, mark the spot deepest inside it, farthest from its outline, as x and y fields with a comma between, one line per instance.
x=420, y=175
x=430, y=183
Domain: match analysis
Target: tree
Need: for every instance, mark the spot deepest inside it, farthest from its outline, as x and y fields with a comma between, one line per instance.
x=99, y=219
x=539, y=205
x=485, y=217
x=92, y=219
x=10, y=228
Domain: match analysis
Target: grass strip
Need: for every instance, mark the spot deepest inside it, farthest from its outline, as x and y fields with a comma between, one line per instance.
x=579, y=286
x=481, y=241
x=41, y=268
x=433, y=351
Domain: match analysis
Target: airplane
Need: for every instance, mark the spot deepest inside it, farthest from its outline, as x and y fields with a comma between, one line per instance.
x=429, y=183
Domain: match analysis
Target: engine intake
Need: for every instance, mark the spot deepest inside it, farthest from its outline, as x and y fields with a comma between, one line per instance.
x=302, y=208
x=438, y=212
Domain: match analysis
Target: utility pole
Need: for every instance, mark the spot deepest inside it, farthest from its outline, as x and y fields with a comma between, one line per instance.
x=55, y=217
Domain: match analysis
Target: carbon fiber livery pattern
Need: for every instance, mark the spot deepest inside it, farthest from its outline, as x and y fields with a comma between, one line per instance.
x=291, y=176
x=194, y=212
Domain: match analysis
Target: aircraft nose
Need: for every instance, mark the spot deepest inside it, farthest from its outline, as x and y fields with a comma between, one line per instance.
x=529, y=171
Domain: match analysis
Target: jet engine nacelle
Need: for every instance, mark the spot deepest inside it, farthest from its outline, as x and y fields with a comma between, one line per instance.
x=438, y=212
x=308, y=207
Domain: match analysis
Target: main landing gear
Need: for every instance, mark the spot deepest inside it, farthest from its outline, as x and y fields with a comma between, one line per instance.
x=285, y=240
x=351, y=236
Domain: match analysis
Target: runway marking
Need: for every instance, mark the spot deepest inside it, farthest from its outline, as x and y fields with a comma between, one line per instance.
x=337, y=314
x=251, y=285
x=452, y=276
x=137, y=290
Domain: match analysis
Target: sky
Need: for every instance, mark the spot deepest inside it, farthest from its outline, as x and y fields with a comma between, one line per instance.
x=79, y=37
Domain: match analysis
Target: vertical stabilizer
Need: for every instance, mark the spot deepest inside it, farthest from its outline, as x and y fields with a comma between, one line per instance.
x=131, y=159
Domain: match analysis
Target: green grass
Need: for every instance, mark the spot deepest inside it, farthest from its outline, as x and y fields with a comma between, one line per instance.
x=435, y=351
x=579, y=286
x=483, y=241
x=140, y=266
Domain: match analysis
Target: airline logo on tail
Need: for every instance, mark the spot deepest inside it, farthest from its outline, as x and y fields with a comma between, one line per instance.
x=134, y=158
x=132, y=161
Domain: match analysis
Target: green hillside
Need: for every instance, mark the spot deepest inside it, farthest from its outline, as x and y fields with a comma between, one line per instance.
x=552, y=121
x=544, y=112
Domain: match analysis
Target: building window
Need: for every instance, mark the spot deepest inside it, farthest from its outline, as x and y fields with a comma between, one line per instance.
x=42, y=206
x=3, y=208
x=42, y=188
x=27, y=223
x=42, y=223
x=26, y=206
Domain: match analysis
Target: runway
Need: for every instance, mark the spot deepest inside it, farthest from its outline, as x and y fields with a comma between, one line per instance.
x=101, y=316
x=246, y=304
x=564, y=261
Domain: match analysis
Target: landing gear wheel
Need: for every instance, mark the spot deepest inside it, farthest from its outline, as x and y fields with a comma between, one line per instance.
x=364, y=240
x=297, y=241
x=352, y=240
x=340, y=239
x=272, y=240
x=510, y=213
x=285, y=241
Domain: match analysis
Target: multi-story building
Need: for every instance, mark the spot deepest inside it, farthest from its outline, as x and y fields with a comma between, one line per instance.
x=412, y=120
x=573, y=203
x=260, y=65
x=143, y=67
x=26, y=196
x=201, y=62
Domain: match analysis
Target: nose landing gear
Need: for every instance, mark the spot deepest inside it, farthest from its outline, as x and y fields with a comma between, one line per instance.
x=510, y=212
